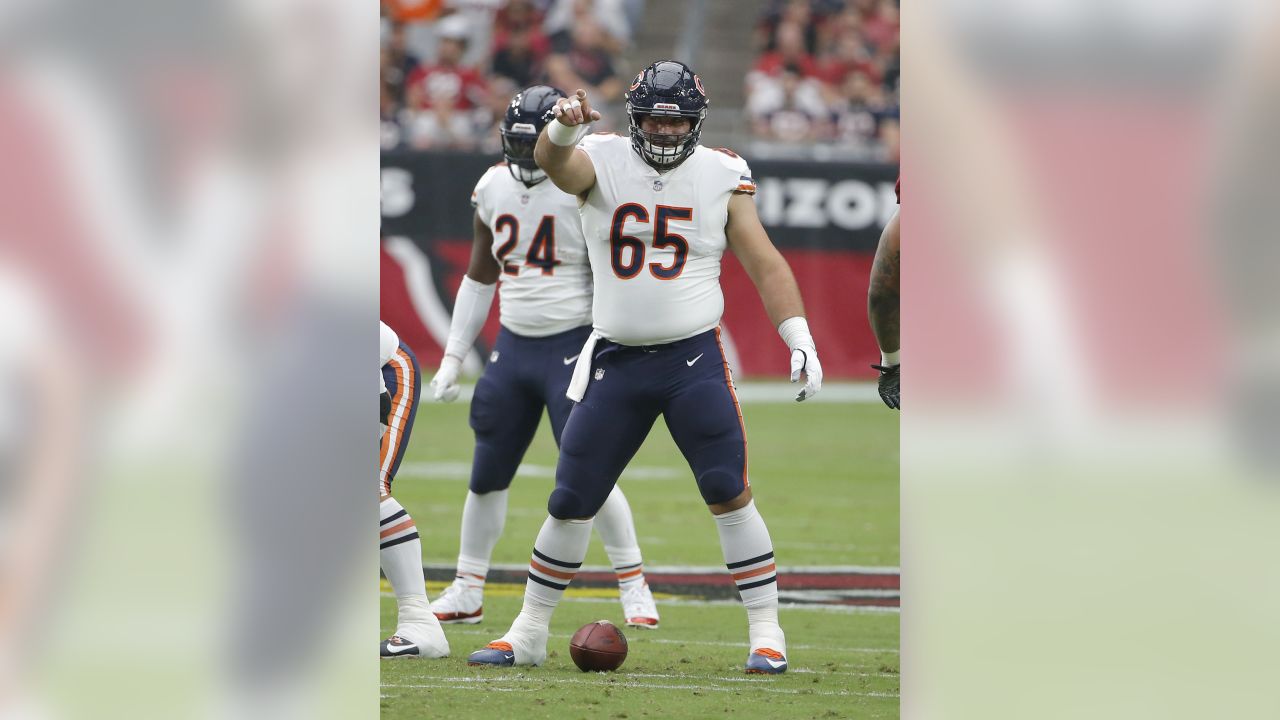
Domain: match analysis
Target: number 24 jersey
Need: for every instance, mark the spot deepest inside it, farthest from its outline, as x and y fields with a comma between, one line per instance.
x=545, y=282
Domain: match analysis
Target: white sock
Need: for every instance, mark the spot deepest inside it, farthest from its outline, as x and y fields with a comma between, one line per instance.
x=402, y=563
x=483, y=517
x=557, y=556
x=618, y=531
x=748, y=553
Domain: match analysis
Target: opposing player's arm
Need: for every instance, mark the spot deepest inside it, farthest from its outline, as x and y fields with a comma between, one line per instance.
x=569, y=168
x=883, y=305
x=778, y=290
x=764, y=264
x=884, y=311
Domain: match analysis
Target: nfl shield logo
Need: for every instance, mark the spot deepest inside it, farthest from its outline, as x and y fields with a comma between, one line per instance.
x=600, y=373
x=493, y=356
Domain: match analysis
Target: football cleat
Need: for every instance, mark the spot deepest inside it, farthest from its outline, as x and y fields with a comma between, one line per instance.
x=766, y=661
x=496, y=654
x=459, y=603
x=396, y=646
x=638, y=607
x=399, y=646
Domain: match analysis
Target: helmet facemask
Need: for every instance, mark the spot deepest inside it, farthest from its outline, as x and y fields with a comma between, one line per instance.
x=517, y=148
x=664, y=151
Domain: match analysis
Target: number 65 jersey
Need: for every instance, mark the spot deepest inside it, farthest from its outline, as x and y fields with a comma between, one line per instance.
x=545, y=283
x=655, y=240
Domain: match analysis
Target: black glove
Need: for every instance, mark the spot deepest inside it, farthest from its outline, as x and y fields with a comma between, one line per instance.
x=385, y=402
x=889, y=378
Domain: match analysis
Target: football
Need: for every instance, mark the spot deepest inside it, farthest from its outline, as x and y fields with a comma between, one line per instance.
x=598, y=647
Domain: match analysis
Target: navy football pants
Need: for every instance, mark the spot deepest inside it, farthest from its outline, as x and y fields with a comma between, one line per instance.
x=686, y=382
x=524, y=375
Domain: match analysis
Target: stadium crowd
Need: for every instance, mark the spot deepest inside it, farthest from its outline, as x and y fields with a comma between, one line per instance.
x=449, y=69
x=826, y=73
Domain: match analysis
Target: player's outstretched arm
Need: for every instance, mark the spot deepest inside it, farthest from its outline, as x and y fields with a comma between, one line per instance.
x=777, y=286
x=470, y=308
x=570, y=169
x=884, y=310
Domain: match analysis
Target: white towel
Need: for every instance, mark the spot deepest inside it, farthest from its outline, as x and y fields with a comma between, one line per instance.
x=582, y=369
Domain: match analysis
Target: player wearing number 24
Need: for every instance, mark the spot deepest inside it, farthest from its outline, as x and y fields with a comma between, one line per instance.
x=658, y=211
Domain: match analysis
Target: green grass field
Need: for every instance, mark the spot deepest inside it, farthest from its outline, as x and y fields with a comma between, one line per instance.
x=825, y=477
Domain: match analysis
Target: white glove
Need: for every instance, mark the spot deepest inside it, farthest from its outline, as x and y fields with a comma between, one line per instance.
x=804, y=356
x=444, y=385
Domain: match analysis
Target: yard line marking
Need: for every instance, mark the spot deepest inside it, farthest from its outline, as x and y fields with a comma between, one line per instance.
x=490, y=684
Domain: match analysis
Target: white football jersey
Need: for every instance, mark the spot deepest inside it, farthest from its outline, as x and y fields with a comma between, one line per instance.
x=388, y=343
x=545, y=283
x=656, y=240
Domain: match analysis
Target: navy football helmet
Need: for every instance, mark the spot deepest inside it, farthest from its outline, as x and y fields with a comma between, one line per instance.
x=527, y=114
x=666, y=88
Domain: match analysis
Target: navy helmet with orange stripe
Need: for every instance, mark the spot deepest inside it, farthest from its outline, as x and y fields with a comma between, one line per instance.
x=671, y=89
x=528, y=112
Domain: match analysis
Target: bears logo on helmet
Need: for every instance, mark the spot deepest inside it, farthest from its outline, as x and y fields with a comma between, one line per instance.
x=528, y=113
x=669, y=89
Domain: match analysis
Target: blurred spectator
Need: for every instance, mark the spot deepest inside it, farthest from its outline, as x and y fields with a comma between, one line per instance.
x=398, y=63
x=789, y=50
x=520, y=46
x=586, y=63
x=861, y=111
x=444, y=125
x=849, y=56
x=880, y=28
x=446, y=101
x=447, y=80
x=608, y=15
x=789, y=108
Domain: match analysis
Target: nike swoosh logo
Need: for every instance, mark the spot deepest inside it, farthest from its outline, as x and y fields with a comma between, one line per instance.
x=691, y=362
x=397, y=649
x=569, y=361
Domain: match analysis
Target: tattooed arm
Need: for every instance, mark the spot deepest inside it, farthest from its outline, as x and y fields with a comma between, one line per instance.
x=882, y=296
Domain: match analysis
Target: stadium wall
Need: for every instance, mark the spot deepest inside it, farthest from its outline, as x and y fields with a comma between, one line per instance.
x=824, y=217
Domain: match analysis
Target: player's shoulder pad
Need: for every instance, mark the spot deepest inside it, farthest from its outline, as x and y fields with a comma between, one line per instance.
x=486, y=180
x=737, y=169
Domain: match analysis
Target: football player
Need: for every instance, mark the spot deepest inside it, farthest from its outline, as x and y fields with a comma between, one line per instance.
x=884, y=308
x=528, y=236
x=658, y=211
x=418, y=632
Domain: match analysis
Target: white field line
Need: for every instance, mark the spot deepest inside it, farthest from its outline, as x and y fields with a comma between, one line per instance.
x=837, y=609
x=765, y=392
x=706, y=569
x=490, y=684
x=714, y=643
